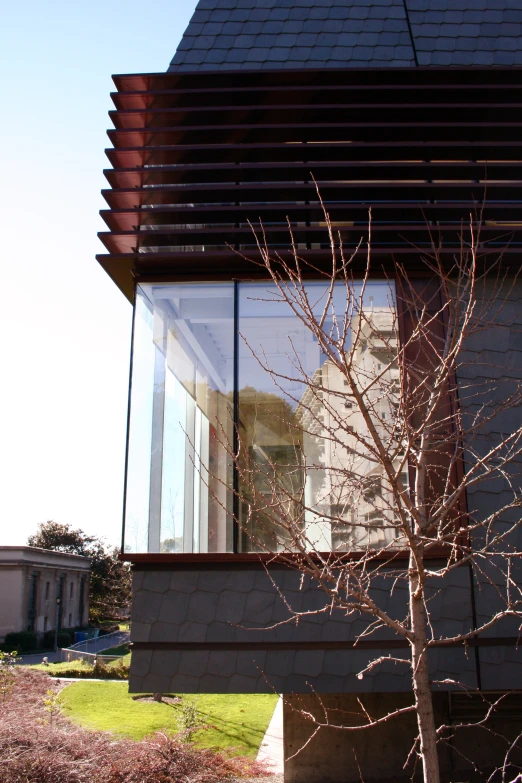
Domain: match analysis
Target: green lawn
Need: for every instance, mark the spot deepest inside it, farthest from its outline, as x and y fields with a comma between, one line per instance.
x=237, y=721
x=123, y=649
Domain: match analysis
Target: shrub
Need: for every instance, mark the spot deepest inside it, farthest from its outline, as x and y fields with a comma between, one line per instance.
x=65, y=638
x=118, y=670
x=70, y=669
x=22, y=641
x=188, y=718
x=100, y=669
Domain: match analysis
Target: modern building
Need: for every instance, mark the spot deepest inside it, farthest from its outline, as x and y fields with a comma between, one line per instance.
x=41, y=589
x=410, y=107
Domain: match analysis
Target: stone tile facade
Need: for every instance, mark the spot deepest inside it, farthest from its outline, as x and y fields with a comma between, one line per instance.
x=492, y=364
x=228, y=629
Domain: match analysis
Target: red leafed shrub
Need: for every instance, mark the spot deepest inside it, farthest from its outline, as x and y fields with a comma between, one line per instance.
x=39, y=745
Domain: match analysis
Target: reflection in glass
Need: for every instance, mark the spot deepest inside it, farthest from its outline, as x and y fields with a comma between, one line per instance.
x=360, y=503
x=307, y=480
x=305, y=472
x=178, y=496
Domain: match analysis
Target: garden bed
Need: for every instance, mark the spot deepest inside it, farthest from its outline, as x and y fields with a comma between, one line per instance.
x=39, y=743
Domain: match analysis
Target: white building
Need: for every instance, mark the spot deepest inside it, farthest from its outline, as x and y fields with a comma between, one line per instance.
x=41, y=588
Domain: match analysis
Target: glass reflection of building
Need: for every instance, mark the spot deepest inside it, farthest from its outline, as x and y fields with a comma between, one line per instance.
x=349, y=502
x=214, y=359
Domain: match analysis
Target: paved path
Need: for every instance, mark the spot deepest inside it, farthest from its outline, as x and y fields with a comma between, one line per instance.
x=86, y=679
x=92, y=646
x=102, y=643
x=272, y=749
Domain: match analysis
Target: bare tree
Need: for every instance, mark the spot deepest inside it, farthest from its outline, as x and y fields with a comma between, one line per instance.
x=385, y=447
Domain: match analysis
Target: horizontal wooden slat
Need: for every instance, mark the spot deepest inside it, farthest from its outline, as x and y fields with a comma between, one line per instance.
x=279, y=171
x=417, y=192
x=318, y=131
x=284, y=94
x=124, y=242
x=420, y=77
x=323, y=113
x=502, y=212
x=384, y=149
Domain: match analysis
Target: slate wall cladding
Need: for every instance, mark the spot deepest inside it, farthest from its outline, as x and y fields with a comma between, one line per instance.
x=496, y=355
x=232, y=34
x=224, y=604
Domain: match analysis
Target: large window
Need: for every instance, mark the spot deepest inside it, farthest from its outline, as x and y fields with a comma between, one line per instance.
x=229, y=368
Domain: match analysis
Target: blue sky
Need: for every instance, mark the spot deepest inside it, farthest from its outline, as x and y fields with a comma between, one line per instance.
x=64, y=326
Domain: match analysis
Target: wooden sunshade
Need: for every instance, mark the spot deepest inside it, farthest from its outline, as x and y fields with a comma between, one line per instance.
x=196, y=156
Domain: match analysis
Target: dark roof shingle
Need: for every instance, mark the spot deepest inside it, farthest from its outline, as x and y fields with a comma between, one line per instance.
x=466, y=32
x=295, y=34
x=233, y=34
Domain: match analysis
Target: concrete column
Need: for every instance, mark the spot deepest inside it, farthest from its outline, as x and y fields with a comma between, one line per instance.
x=340, y=756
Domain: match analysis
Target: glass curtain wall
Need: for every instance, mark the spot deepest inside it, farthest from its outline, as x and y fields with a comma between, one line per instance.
x=219, y=368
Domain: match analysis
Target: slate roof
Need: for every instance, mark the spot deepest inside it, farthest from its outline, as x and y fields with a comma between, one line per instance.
x=467, y=32
x=259, y=34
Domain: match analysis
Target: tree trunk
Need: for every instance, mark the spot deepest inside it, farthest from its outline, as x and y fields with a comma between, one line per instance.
x=421, y=682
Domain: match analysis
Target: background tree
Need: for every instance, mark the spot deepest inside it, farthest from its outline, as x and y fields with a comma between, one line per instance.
x=110, y=584
x=398, y=455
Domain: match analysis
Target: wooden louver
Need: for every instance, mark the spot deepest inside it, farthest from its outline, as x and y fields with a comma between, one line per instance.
x=197, y=156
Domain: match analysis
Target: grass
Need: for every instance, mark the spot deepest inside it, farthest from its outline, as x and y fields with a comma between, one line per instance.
x=237, y=721
x=123, y=649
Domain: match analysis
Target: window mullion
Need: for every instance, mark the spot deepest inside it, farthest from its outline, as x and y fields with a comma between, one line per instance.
x=235, y=479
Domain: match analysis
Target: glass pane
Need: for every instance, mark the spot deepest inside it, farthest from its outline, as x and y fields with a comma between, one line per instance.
x=140, y=428
x=306, y=478
x=179, y=470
